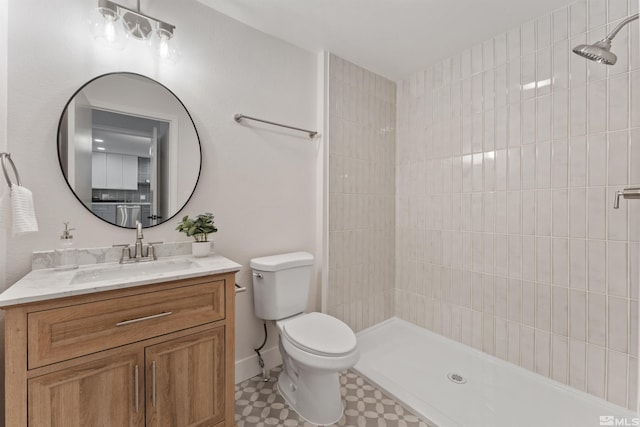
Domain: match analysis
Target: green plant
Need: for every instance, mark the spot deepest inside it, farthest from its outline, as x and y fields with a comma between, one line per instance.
x=197, y=228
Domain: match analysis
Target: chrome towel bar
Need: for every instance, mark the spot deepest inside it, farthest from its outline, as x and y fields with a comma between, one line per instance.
x=4, y=157
x=239, y=117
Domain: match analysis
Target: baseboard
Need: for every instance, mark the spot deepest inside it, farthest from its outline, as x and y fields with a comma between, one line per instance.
x=248, y=367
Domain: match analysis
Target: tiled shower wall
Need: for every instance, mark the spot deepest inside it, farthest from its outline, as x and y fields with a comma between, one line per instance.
x=362, y=117
x=508, y=157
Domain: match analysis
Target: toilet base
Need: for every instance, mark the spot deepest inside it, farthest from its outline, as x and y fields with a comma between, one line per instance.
x=319, y=401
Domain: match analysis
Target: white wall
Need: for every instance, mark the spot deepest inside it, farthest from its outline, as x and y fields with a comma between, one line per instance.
x=259, y=181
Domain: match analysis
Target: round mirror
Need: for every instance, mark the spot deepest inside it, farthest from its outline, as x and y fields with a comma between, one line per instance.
x=129, y=150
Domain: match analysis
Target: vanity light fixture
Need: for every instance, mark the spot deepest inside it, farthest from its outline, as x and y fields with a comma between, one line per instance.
x=114, y=23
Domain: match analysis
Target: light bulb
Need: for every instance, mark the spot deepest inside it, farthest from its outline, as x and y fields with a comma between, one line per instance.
x=106, y=27
x=163, y=48
x=110, y=30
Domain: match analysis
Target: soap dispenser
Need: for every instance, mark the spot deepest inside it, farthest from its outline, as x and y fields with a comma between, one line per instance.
x=66, y=256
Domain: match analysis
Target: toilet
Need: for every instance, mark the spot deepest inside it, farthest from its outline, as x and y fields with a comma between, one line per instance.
x=315, y=347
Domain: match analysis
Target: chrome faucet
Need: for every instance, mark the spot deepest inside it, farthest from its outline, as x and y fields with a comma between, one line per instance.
x=138, y=249
x=137, y=253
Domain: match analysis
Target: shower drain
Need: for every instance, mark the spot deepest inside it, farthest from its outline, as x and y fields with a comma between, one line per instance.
x=456, y=378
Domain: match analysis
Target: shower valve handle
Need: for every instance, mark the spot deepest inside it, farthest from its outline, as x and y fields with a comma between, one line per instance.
x=633, y=192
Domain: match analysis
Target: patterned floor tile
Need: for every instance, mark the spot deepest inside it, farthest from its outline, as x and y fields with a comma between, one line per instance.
x=259, y=404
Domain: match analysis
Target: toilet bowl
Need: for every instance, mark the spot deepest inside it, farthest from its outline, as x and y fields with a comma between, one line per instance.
x=315, y=347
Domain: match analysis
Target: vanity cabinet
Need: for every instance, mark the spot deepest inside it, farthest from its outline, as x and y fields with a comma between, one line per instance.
x=158, y=355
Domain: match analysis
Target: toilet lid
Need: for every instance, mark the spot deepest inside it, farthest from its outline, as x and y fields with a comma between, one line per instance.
x=321, y=334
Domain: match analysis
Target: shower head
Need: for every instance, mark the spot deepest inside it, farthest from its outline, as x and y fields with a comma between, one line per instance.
x=601, y=51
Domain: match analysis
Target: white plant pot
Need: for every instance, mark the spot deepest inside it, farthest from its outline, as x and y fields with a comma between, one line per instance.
x=200, y=249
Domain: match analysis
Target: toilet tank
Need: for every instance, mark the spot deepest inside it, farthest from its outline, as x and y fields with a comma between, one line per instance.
x=281, y=284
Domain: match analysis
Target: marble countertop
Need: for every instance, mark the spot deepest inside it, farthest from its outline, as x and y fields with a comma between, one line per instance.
x=46, y=284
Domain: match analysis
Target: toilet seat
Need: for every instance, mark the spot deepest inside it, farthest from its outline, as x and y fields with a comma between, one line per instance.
x=320, y=334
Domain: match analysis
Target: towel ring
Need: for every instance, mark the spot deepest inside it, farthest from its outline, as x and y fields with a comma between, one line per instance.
x=5, y=157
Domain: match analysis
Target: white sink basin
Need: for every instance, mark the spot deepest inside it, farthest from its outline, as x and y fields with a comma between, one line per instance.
x=126, y=271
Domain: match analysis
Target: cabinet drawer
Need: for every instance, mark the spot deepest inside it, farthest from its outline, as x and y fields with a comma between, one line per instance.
x=67, y=332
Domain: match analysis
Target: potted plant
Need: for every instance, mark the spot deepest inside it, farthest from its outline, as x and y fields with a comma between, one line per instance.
x=198, y=228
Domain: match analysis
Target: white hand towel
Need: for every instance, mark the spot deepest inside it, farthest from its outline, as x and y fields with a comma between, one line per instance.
x=24, y=216
x=5, y=207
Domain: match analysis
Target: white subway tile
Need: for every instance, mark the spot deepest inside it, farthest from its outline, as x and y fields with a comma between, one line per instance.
x=543, y=213
x=578, y=17
x=577, y=212
x=597, y=106
x=528, y=74
x=597, y=160
x=514, y=134
x=543, y=307
x=543, y=119
x=527, y=348
x=543, y=259
x=560, y=212
x=513, y=212
x=597, y=319
x=596, y=266
x=529, y=258
x=560, y=260
x=543, y=353
x=515, y=301
x=617, y=375
x=577, y=364
x=618, y=102
x=560, y=24
x=634, y=111
x=528, y=164
x=560, y=164
x=617, y=9
x=560, y=117
x=632, y=391
x=515, y=85
x=560, y=358
x=578, y=315
x=560, y=311
x=500, y=46
x=578, y=162
x=528, y=37
x=529, y=303
x=617, y=268
x=618, y=158
x=618, y=324
x=529, y=212
x=543, y=165
x=597, y=13
x=513, y=345
x=578, y=110
x=596, y=370
x=578, y=264
x=501, y=338
x=596, y=205
x=513, y=44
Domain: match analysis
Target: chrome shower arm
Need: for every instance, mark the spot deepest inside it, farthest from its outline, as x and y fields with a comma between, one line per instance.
x=624, y=22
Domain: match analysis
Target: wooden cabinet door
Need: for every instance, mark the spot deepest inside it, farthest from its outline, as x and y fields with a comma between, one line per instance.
x=185, y=381
x=101, y=393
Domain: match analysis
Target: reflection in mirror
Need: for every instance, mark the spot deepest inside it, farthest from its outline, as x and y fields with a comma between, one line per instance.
x=129, y=150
